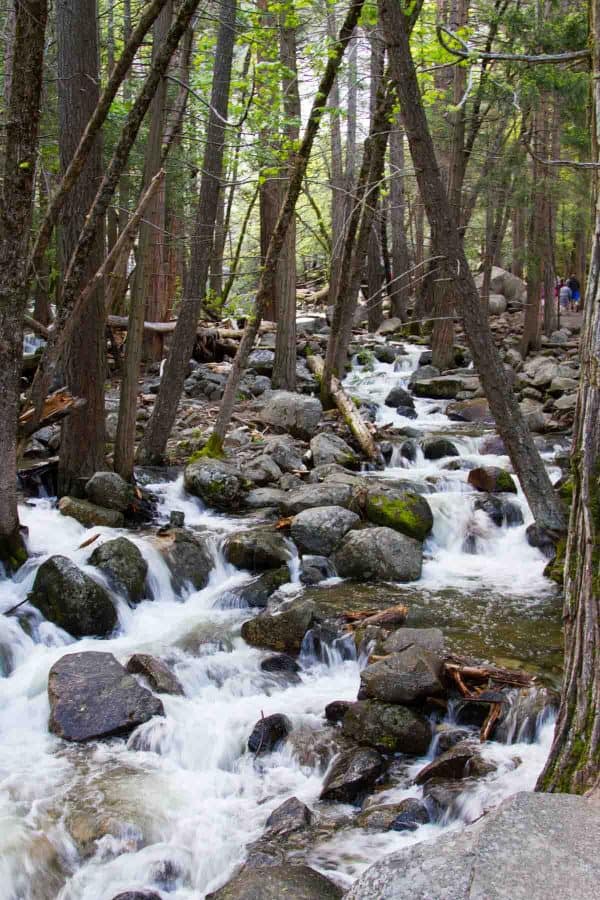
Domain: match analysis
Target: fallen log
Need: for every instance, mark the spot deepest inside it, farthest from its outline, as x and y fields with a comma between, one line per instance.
x=392, y=617
x=352, y=417
x=58, y=405
x=169, y=327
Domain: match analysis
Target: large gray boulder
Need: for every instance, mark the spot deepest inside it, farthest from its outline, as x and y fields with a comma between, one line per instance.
x=406, y=677
x=320, y=530
x=257, y=549
x=379, y=554
x=72, y=600
x=110, y=490
x=283, y=631
x=431, y=639
x=295, y=413
x=311, y=495
x=92, y=696
x=124, y=566
x=445, y=387
x=387, y=727
x=262, y=470
x=532, y=847
x=90, y=514
x=283, y=451
x=328, y=448
x=277, y=883
x=268, y=733
x=502, y=282
x=189, y=559
x=496, y=304
x=218, y=483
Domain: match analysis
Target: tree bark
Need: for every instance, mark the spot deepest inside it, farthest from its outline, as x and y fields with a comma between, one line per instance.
x=22, y=121
x=335, y=55
x=374, y=266
x=544, y=502
x=154, y=442
x=400, y=288
x=84, y=360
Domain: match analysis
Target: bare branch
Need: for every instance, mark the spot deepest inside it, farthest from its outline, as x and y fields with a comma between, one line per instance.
x=471, y=53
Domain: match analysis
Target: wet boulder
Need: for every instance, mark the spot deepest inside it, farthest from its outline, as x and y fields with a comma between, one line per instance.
x=279, y=664
x=542, y=539
x=262, y=470
x=268, y=733
x=329, y=448
x=295, y=413
x=72, y=600
x=124, y=565
x=90, y=514
x=353, y=775
x=257, y=549
x=406, y=677
x=492, y=480
x=407, y=815
x=522, y=715
x=406, y=512
x=278, y=882
x=320, y=529
x=379, y=554
x=336, y=710
x=476, y=409
x=443, y=796
x=445, y=387
x=431, y=639
x=290, y=816
x=256, y=593
x=157, y=672
x=423, y=373
x=282, y=631
x=500, y=510
x=387, y=727
x=110, y=490
x=314, y=569
x=453, y=764
x=92, y=696
x=138, y=895
x=438, y=448
x=218, y=483
x=384, y=353
x=399, y=396
x=189, y=559
x=311, y=495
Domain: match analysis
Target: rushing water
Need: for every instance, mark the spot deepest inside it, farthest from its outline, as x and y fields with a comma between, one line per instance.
x=174, y=807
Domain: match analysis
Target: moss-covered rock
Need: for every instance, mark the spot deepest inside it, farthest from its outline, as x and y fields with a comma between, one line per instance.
x=555, y=569
x=124, y=565
x=89, y=514
x=492, y=479
x=409, y=514
x=218, y=483
x=72, y=600
x=387, y=727
x=284, y=631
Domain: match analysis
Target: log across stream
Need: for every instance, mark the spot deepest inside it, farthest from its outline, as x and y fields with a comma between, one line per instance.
x=173, y=807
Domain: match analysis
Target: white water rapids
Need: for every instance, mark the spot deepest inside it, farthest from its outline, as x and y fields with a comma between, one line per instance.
x=176, y=804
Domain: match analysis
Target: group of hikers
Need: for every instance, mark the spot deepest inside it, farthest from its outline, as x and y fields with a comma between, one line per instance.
x=568, y=294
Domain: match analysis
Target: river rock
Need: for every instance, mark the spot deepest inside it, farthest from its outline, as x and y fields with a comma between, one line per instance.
x=312, y=495
x=138, y=895
x=329, y=448
x=282, y=631
x=522, y=715
x=72, y=600
x=532, y=847
x=453, y=763
x=438, y=448
x=336, y=710
x=423, y=373
x=352, y=775
x=387, y=727
x=280, y=663
x=379, y=554
x=385, y=353
x=431, y=639
x=406, y=677
x=257, y=549
x=284, y=452
x=476, y=409
x=445, y=387
x=290, y=816
x=444, y=797
x=404, y=816
x=276, y=883
x=403, y=511
x=261, y=361
x=110, y=490
x=264, y=498
x=314, y=569
x=268, y=733
x=189, y=559
x=492, y=480
x=124, y=565
x=496, y=304
x=218, y=483
x=399, y=396
x=320, y=529
x=262, y=470
x=161, y=678
x=295, y=413
x=92, y=696
x=90, y=514
x=500, y=510
x=561, y=385
x=256, y=593
x=390, y=326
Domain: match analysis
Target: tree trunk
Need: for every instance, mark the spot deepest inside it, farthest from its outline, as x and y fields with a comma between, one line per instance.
x=154, y=442
x=21, y=144
x=84, y=360
x=544, y=502
x=374, y=267
x=400, y=259
x=531, y=339
x=339, y=184
x=284, y=368
x=334, y=59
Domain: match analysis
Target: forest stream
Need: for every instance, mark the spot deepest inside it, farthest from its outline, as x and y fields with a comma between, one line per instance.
x=174, y=806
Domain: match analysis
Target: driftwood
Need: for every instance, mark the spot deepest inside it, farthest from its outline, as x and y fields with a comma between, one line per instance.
x=392, y=617
x=344, y=403
x=463, y=670
x=169, y=327
x=58, y=405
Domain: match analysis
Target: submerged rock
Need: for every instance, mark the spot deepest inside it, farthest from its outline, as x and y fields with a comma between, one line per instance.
x=280, y=663
x=314, y=569
x=320, y=529
x=161, y=678
x=256, y=593
x=92, y=696
x=218, y=483
x=138, y=895
x=268, y=733
x=276, y=883
x=110, y=490
x=404, y=816
x=72, y=600
x=387, y=727
x=379, y=554
x=352, y=775
x=124, y=565
x=90, y=514
x=189, y=559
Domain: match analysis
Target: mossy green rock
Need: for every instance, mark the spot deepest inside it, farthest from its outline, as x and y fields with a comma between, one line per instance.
x=492, y=480
x=284, y=631
x=89, y=514
x=387, y=727
x=72, y=600
x=124, y=565
x=409, y=514
x=218, y=483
